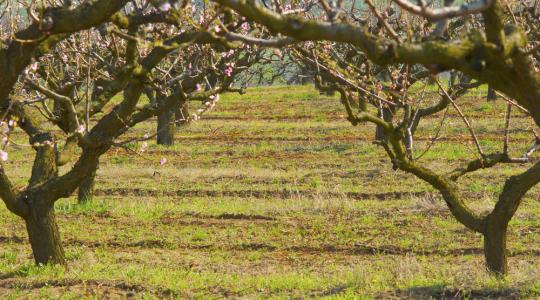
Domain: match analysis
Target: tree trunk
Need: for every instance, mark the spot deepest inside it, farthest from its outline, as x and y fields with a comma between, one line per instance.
x=165, y=128
x=44, y=236
x=41, y=222
x=86, y=188
x=387, y=115
x=491, y=96
x=495, y=248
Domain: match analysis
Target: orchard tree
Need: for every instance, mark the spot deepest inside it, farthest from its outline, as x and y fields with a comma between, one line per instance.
x=121, y=50
x=490, y=41
x=74, y=79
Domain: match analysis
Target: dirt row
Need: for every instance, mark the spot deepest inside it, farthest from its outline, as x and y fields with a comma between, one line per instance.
x=352, y=250
x=103, y=289
x=280, y=194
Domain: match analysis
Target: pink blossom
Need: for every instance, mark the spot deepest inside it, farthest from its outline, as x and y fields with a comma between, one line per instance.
x=227, y=54
x=162, y=161
x=144, y=146
x=228, y=69
x=81, y=129
x=327, y=48
x=33, y=67
x=245, y=26
x=3, y=155
x=165, y=6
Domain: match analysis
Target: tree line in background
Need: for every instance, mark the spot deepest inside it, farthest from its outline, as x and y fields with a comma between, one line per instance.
x=94, y=69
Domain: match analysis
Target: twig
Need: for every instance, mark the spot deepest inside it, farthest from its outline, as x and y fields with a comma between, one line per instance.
x=433, y=140
x=460, y=112
x=506, y=125
x=387, y=26
x=510, y=101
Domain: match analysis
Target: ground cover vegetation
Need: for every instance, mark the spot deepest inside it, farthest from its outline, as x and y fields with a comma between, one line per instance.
x=86, y=81
x=282, y=202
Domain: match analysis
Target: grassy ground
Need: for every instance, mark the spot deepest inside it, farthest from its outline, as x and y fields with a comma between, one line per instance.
x=275, y=195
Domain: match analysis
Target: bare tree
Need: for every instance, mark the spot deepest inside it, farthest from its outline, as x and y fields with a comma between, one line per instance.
x=490, y=44
x=135, y=41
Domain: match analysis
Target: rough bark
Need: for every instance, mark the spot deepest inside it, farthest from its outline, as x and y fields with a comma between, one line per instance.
x=86, y=188
x=41, y=222
x=44, y=164
x=166, y=128
x=44, y=235
x=495, y=248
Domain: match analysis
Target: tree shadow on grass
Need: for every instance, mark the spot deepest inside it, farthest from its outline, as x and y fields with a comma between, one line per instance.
x=443, y=292
x=430, y=292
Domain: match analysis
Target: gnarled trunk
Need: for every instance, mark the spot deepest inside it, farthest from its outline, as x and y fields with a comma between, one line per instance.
x=165, y=128
x=44, y=236
x=495, y=248
x=86, y=188
x=41, y=221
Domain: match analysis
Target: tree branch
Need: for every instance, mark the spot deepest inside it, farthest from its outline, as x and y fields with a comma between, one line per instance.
x=487, y=161
x=9, y=196
x=435, y=14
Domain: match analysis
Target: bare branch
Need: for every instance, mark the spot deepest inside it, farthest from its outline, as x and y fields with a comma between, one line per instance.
x=435, y=14
x=387, y=26
x=485, y=162
x=465, y=120
x=276, y=43
x=9, y=196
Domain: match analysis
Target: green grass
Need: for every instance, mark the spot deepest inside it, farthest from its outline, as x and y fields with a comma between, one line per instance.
x=275, y=195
